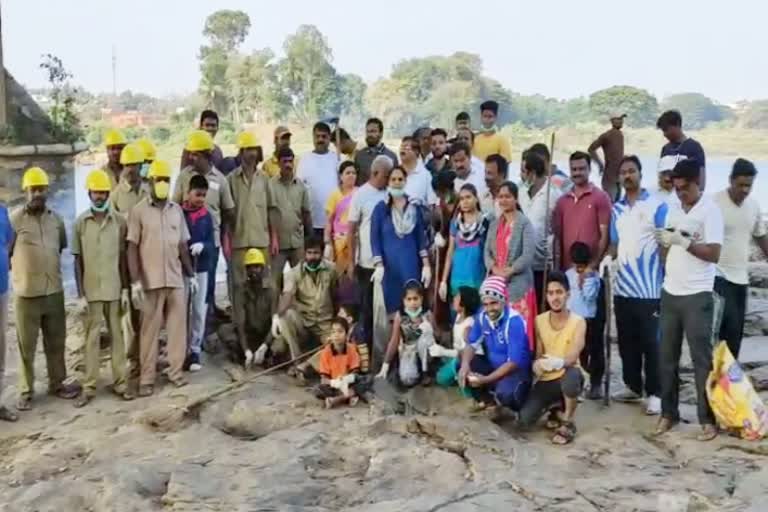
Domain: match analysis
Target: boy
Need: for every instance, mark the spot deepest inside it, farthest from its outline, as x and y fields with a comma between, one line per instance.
x=254, y=329
x=584, y=286
x=338, y=367
x=202, y=248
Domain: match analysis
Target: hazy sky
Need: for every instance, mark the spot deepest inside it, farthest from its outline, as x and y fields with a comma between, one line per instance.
x=561, y=48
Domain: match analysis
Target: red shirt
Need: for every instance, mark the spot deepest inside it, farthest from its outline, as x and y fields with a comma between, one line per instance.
x=578, y=219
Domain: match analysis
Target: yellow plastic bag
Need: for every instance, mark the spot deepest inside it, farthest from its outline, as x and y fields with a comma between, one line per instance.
x=733, y=399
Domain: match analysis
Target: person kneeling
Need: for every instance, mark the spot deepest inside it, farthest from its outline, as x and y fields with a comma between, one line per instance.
x=339, y=367
x=559, y=341
x=502, y=376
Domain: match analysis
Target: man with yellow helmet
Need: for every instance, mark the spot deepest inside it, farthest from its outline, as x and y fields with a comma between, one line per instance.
x=114, y=141
x=129, y=192
x=101, y=274
x=39, y=237
x=254, y=328
x=159, y=262
x=209, y=122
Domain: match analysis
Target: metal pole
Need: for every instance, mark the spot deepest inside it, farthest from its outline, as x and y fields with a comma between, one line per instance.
x=547, y=224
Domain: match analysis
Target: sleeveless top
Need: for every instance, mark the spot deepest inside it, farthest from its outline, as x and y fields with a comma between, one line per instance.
x=556, y=343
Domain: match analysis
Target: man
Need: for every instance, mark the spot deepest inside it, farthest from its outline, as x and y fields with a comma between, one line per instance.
x=35, y=249
x=496, y=362
x=539, y=210
x=158, y=261
x=253, y=328
x=637, y=284
x=219, y=202
x=209, y=122
x=6, y=236
x=666, y=191
x=290, y=213
x=128, y=192
x=439, y=160
x=461, y=163
x=743, y=222
x=488, y=140
x=612, y=144
x=150, y=155
x=559, y=178
x=466, y=136
x=114, y=141
x=423, y=137
x=101, y=274
x=347, y=147
x=418, y=185
x=496, y=171
x=463, y=122
x=282, y=140
x=693, y=238
x=319, y=171
x=581, y=215
x=306, y=306
x=374, y=132
x=671, y=125
x=559, y=341
x=361, y=208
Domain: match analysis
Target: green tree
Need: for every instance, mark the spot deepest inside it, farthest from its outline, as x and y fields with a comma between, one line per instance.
x=65, y=124
x=640, y=106
x=697, y=110
x=160, y=134
x=227, y=29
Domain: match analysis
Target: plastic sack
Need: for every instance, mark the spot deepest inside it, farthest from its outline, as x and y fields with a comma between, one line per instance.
x=733, y=399
x=380, y=328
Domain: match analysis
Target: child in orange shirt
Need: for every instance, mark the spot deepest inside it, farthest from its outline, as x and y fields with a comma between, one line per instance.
x=339, y=368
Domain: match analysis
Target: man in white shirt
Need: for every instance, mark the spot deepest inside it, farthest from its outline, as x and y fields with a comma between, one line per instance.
x=692, y=240
x=467, y=136
x=318, y=169
x=743, y=222
x=461, y=163
x=361, y=209
x=418, y=185
x=496, y=171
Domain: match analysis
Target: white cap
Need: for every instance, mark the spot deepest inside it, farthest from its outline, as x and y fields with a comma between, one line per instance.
x=667, y=163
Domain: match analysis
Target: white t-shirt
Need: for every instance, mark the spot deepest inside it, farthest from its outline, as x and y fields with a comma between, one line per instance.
x=418, y=185
x=741, y=224
x=668, y=197
x=364, y=200
x=685, y=273
x=319, y=172
x=476, y=177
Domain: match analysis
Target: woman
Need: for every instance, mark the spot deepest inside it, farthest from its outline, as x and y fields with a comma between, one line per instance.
x=336, y=210
x=509, y=251
x=464, y=264
x=398, y=242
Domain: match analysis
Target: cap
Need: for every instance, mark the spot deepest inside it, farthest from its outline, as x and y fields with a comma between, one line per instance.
x=494, y=287
x=667, y=163
x=282, y=131
x=617, y=114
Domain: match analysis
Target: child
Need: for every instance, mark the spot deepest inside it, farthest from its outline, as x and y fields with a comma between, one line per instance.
x=412, y=335
x=466, y=303
x=338, y=367
x=356, y=334
x=585, y=286
x=202, y=249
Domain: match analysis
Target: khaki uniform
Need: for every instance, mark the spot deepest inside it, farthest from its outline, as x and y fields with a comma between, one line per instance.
x=39, y=296
x=123, y=198
x=290, y=202
x=100, y=245
x=218, y=198
x=158, y=232
x=114, y=178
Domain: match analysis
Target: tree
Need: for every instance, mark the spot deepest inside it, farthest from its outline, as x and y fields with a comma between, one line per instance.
x=65, y=124
x=227, y=29
x=640, y=106
x=697, y=110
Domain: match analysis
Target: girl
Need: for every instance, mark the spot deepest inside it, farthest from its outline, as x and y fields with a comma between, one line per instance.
x=412, y=336
x=466, y=303
x=337, y=226
x=464, y=263
x=509, y=251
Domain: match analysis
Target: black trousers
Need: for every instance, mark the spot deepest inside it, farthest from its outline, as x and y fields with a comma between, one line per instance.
x=734, y=308
x=592, y=358
x=544, y=394
x=637, y=324
x=538, y=283
x=363, y=276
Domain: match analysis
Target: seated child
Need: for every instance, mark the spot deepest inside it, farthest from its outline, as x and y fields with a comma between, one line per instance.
x=339, y=368
x=356, y=334
x=466, y=303
x=412, y=335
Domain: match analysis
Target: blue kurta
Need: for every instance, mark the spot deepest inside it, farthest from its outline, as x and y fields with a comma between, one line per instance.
x=401, y=256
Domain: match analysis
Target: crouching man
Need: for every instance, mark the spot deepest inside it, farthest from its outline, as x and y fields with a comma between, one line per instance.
x=253, y=328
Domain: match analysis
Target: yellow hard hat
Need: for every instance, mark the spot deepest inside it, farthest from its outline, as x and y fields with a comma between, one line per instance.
x=254, y=257
x=199, y=140
x=114, y=137
x=131, y=154
x=149, y=149
x=98, y=181
x=247, y=140
x=159, y=169
x=34, y=177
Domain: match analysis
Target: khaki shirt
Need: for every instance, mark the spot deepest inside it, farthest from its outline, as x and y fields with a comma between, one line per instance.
x=252, y=200
x=218, y=198
x=100, y=245
x=313, y=292
x=158, y=232
x=290, y=201
x=113, y=178
x=36, y=258
x=272, y=167
x=123, y=198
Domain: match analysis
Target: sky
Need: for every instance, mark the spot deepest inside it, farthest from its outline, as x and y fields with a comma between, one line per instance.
x=559, y=48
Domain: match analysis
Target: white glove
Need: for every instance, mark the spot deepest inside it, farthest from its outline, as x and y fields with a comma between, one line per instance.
x=196, y=248
x=436, y=350
x=439, y=241
x=442, y=291
x=328, y=252
x=137, y=294
x=538, y=367
x=82, y=306
x=667, y=239
x=248, y=358
x=426, y=329
x=605, y=264
x=426, y=276
x=261, y=352
x=125, y=299
x=383, y=372
x=551, y=364
x=277, y=328
x=335, y=383
x=193, y=287
x=378, y=274
x=349, y=378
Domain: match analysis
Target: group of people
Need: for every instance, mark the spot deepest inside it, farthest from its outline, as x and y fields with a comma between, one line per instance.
x=426, y=265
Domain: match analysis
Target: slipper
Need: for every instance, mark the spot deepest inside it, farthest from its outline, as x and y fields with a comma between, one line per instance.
x=82, y=400
x=24, y=403
x=66, y=391
x=8, y=415
x=180, y=382
x=353, y=401
x=564, y=434
x=146, y=390
x=553, y=421
x=708, y=433
x=664, y=425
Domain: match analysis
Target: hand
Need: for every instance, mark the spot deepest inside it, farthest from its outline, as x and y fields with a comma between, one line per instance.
x=82, y=306
x=274, y=246
x=378, y=274
x=125, y=299
x=137, y=294
x=383, y=372
x=463, y=375
x=328, y=252
x=677, y=238
x=552, y=363
x=335, y=383
x=349, y=379
x=475, y=380
x=426, y=276
x=606, y=263
x=248, y=358
x=277, y=328
x=663, y=237
x=538, y=369
x=436, y=350
x=196, y=248
x=193, y=286
x=439, y=241
x=442, y=291
x=258, y=357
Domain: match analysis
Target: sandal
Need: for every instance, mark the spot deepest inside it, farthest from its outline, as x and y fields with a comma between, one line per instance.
x=664, y=425
x=553, y=421
x=24, y=403
x=82, y=400
x=146, y=390
x=180, y=382
x=66, y=391
x=8, y=415
x=708, y=433
x=353, y=401
x=564, y=434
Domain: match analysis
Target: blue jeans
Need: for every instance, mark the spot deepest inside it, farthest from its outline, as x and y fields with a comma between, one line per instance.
x=198, y=310
x=510, y=391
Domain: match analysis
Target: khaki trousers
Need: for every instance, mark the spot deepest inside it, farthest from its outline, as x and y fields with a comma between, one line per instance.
x=296, y=334
x=169, y=306
x=99, y=311
x=34, y=314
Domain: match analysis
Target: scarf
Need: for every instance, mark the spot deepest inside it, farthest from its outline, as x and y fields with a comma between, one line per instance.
x=194, y=214
x=404, y=221
x=468, y=232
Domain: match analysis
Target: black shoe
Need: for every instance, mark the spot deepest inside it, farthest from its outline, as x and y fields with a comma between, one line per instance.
x=194, y=363
x=595, y=393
